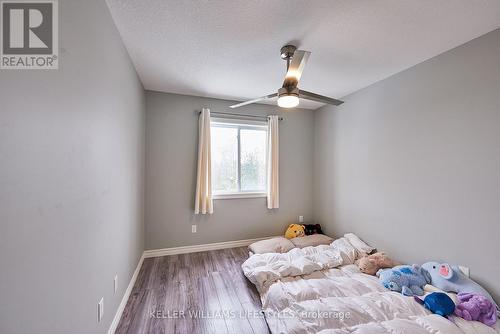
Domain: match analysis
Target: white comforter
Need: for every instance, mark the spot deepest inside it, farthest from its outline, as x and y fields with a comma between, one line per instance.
x=319, y=290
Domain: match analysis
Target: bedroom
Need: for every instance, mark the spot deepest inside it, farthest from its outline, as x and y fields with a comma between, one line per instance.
x=104, y=159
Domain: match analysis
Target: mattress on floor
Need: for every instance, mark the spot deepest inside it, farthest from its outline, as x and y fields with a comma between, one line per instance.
x=319, y=290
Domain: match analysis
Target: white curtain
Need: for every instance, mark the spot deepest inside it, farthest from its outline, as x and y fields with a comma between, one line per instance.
x=273, y=152
x=203, y=202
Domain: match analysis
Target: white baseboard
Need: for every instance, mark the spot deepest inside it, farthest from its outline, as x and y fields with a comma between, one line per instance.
x=123, y=303
x=172, y=251
x=200, y=248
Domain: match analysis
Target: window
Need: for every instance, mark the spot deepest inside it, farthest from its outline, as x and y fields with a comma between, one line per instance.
x=238, y=158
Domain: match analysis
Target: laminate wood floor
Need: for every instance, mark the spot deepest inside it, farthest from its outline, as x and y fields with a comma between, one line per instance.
x=202, y=292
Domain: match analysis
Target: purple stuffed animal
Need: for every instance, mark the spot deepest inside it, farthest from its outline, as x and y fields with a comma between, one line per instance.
x=472, y=306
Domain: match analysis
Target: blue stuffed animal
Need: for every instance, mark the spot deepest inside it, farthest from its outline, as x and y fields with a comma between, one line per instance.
x=409, y=280
x=451, y=279
x=438, y=303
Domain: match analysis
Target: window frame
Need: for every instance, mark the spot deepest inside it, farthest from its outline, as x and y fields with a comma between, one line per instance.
x=240, y=124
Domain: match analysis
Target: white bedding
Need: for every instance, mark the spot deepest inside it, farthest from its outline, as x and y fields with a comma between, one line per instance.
x=319, y=290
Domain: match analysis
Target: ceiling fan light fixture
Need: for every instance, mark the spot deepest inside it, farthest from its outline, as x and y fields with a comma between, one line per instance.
x=288, y=99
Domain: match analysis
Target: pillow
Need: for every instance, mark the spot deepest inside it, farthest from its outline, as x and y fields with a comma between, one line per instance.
x=359, y=244
x=273, y=245
x=311, y=240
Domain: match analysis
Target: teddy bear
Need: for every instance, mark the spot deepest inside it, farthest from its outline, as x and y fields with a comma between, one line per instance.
x=294, y=231
x=370, y=264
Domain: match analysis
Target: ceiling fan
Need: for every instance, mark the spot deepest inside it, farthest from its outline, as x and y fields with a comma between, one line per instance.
x=289, y=94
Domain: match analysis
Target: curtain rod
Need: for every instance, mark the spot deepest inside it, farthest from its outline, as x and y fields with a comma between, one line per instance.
x=240, y=115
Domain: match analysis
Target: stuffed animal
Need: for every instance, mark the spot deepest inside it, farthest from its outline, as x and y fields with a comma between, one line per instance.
x=438, y=303
x=370, y=264
x=409, y=280
x=312, y=229
x=472, y=306
x=294, y=230
x=451, y=279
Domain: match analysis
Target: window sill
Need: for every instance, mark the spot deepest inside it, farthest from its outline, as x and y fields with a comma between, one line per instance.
x=239, y=195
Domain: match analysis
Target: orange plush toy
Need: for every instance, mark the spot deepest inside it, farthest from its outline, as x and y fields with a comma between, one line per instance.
x=294, y=231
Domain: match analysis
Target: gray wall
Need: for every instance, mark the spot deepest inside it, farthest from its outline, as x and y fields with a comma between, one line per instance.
x=71, y=180
x=171, y=153
x=412, y=163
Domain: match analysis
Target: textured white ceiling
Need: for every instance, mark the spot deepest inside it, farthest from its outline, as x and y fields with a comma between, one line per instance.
x=230, y=49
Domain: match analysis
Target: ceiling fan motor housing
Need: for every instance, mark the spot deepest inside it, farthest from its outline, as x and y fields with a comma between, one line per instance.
x=288, y=91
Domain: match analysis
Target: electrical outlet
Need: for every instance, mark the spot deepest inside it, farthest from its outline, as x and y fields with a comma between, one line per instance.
x=301, y=219
x=100, y=309
x=193, y=228
x=115, y=283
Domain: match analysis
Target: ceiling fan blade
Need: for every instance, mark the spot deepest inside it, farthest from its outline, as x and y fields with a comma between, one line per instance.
x=262, y=98
x=295, y=68
x=318, y=98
